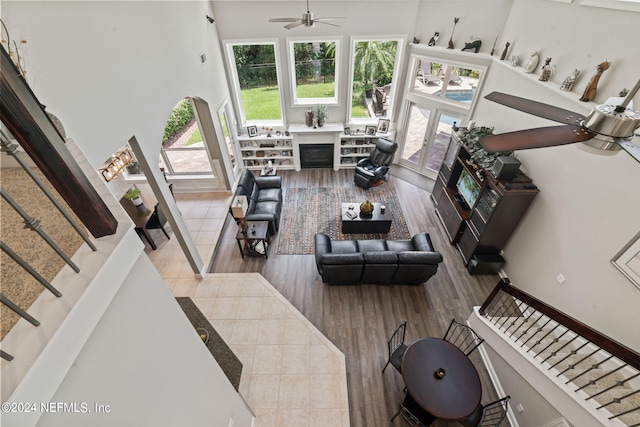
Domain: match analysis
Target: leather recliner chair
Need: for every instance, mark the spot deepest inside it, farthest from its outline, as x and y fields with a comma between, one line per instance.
x=374, y=168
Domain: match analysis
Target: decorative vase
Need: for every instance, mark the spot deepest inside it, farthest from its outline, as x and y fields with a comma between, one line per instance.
x=137, y=201
x=451, y=43
x=308, y=118
x=366, y=208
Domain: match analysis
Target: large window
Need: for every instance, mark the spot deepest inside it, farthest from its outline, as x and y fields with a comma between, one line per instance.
x=256, y=82
x=314, y=67
x=438, y=96
x=374, y=65
x=436, y=79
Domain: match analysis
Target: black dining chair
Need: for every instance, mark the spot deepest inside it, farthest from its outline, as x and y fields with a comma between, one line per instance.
x=157, y=220
x=412, y=413
x=396, y=347
x=463, y=337
x=489, y=415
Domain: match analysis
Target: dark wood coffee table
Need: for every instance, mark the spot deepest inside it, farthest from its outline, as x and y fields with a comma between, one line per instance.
x=377, y=222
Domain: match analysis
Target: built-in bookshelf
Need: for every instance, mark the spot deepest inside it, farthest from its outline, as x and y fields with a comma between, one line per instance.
x=257, y=151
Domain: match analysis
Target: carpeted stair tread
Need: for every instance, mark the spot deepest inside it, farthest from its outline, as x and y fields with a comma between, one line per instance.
x=228, y=361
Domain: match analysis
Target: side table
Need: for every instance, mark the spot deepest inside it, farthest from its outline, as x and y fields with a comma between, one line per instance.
x=257, y=241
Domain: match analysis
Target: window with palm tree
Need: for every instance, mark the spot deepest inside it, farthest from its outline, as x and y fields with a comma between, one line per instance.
x=374, y=64
x=314, y=70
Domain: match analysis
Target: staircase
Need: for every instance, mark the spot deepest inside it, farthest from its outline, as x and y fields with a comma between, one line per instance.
x=602, y=375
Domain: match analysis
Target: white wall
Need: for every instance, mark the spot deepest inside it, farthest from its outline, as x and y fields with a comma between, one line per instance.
x=145, y=360
x=588, y=204
x=111, y=70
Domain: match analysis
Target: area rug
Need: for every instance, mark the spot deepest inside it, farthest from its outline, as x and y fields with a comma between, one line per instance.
x=308, y=211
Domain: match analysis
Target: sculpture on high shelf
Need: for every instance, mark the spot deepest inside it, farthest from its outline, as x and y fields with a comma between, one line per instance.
x=434, y=39
x=451, y=45
x=515, y=60
x=567, y=84
x=547, y=70
x=532, y=62
x=475, y=44
x=592, y=87
x=504, y=52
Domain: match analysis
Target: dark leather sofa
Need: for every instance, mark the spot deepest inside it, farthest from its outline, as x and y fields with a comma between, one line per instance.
x=264, y=195
x=348, y=262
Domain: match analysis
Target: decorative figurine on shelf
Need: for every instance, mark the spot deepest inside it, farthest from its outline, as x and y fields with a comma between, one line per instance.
x=475, y=44
x=416, y=40
x=434, y=39
x=504, y=52
x=567, y=84
x=592, y=87
x=493, y=49
x=451, y=44
x=515, y=60
x=547, y=70
x=532, y=63
x=308, y=117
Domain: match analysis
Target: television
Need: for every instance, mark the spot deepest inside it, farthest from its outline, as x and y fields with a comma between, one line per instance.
x=468, y=188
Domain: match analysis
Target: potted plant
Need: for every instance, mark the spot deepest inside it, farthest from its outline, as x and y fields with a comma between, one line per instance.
x=133, y=194
x=321, y=114
x=133, y=168
x=470, y=139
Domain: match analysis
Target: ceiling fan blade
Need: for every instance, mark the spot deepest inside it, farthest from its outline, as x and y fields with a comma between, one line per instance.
x=334, y=18
x=539, y=109
x=297, y=23
x=630, y=148
x=284, y=19
x=536, y=138
x=325, y=23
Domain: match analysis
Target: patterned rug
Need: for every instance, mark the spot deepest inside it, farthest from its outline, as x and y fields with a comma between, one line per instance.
x=307, y=211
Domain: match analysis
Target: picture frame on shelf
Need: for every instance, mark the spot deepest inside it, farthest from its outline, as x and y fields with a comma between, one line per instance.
x=347, y=131
x=252, y=131
x=383, y=125
x=370, y=130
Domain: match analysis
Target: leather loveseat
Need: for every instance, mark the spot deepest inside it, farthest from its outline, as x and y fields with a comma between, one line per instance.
x=348, y=262
x=264, y=195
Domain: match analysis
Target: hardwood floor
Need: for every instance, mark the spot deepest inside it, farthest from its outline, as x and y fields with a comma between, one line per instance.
x=359, y=319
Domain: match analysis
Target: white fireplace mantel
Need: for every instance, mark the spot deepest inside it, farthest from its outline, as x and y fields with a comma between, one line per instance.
x=327, y=134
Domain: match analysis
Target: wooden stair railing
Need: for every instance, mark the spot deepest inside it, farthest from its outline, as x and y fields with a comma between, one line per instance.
x=606, y=371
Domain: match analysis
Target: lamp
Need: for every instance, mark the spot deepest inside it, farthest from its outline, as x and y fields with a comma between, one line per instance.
x=239, y=208
x=116, y=164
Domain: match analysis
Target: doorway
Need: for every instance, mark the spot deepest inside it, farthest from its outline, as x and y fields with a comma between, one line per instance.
x=427, y=133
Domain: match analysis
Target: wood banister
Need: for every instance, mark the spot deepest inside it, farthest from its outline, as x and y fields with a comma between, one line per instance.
x=620, y=351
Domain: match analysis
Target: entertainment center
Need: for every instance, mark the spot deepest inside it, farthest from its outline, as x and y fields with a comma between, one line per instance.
x=478, y=211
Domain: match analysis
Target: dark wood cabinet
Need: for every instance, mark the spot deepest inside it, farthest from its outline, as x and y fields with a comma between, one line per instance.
x=485, y=227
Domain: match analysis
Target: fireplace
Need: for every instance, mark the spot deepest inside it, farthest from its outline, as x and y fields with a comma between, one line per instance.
x=316, y=156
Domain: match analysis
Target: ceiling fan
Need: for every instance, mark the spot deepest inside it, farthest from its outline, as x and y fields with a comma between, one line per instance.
x=607, y=127
x=307, y=20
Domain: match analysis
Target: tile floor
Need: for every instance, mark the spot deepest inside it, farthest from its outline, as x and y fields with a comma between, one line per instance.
x=292, y=374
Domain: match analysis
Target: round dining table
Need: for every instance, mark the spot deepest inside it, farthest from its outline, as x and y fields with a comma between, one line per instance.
x=441, y=379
